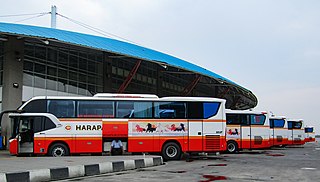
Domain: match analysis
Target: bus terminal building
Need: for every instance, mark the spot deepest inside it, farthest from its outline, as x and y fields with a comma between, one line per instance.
x=38, y=61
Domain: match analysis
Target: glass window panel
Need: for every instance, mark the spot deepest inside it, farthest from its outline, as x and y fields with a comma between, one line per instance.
x=142, y=110
x=48, y=124
x=52, y=71
x=233, y=119
x=96, y=109
x=120, y=72
x=82, y=78
x=29, y=50
x=210, y=109
x=173, y=110
x=124, y=109
x=308, y=130
x=91, y=80
x=52, y=55
x=258, y=119
x=28, y=66
x=40, y=52
x=277, y=123
x=63, y=58
x=83, y=64
x=92, y=66
x=73, y=62
x=36, y=106
x=40, y=68
x=38, y=123
x=62, y=73
x=73, y=76
x=195, y=110
x=62, y=108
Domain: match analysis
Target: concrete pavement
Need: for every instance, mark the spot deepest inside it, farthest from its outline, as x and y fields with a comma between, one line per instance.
x=33, y=169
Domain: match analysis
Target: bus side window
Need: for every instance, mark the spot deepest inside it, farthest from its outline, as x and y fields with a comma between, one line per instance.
x=233, y=119
x=48, y=124
x=124, y=109
x=271, y=123
x=36, y=106
x=244, y=118
x=170, y=110
x=289, y=124
x=62, y=108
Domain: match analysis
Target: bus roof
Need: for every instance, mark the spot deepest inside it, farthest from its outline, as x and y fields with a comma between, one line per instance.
x=131, y=97
x=295, y=120
x=112, y=95
x=278, y=117
x=229, y=111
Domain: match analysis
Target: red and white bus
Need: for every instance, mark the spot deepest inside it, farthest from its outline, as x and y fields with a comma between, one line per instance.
x=144, y=123
x=295, y=132
x=278, y=131
x=247, y=130
x=310, y=135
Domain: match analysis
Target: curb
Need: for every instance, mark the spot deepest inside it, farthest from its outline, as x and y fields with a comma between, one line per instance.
x=79, y=170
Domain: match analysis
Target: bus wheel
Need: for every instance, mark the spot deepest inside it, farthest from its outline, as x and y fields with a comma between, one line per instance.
x=232, y=147
x=58, y=150
x=171, y=151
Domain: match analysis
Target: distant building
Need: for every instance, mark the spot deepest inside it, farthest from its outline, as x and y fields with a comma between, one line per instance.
x=43, y=61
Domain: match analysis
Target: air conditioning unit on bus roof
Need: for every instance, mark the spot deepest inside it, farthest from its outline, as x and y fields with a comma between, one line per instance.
x=112, y=95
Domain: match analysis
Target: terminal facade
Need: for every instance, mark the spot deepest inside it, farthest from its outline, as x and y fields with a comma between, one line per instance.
x=32, y=64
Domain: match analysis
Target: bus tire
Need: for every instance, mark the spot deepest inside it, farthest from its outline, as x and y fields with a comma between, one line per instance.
x=232, y=147
x=171, y=151
x=59, y=150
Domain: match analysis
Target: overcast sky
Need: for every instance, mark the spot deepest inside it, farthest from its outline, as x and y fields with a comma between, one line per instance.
x=271, y=47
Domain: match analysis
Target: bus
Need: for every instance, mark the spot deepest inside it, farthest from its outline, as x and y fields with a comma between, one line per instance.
x=295, y=132
x=278, y=131
x=247, y=130
x=310, y=135
x=61, y=125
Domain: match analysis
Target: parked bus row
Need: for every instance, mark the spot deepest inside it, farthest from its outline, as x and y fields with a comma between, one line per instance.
x=59, y=126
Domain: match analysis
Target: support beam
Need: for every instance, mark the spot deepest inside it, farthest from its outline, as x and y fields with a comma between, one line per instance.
x=235, y=102
x=187, y=90
x=224, y=93
x=125, y=84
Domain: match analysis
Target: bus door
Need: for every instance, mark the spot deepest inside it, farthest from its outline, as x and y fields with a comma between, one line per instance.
x=258, y=130
x=297, y=133
x=272, y=132
x=25, y=135
x=245, y=131
x=195, y=135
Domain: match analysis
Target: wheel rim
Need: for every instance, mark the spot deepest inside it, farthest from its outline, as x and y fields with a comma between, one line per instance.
x=58, y=152
x=231, y=147
x=171, y=151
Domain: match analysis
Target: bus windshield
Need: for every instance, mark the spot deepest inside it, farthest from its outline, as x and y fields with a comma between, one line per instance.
x=308, y=130
x=277, y=123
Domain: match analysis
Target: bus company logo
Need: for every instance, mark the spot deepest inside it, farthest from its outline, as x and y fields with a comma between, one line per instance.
x=68, y=127
x=88, y=127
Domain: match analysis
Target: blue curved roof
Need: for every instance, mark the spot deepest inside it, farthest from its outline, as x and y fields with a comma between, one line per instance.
x=107, y=44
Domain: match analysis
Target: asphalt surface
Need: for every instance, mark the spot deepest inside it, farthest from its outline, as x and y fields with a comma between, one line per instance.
x=298, y=163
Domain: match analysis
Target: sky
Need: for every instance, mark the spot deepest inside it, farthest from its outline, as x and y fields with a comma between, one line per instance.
x=270, y=47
